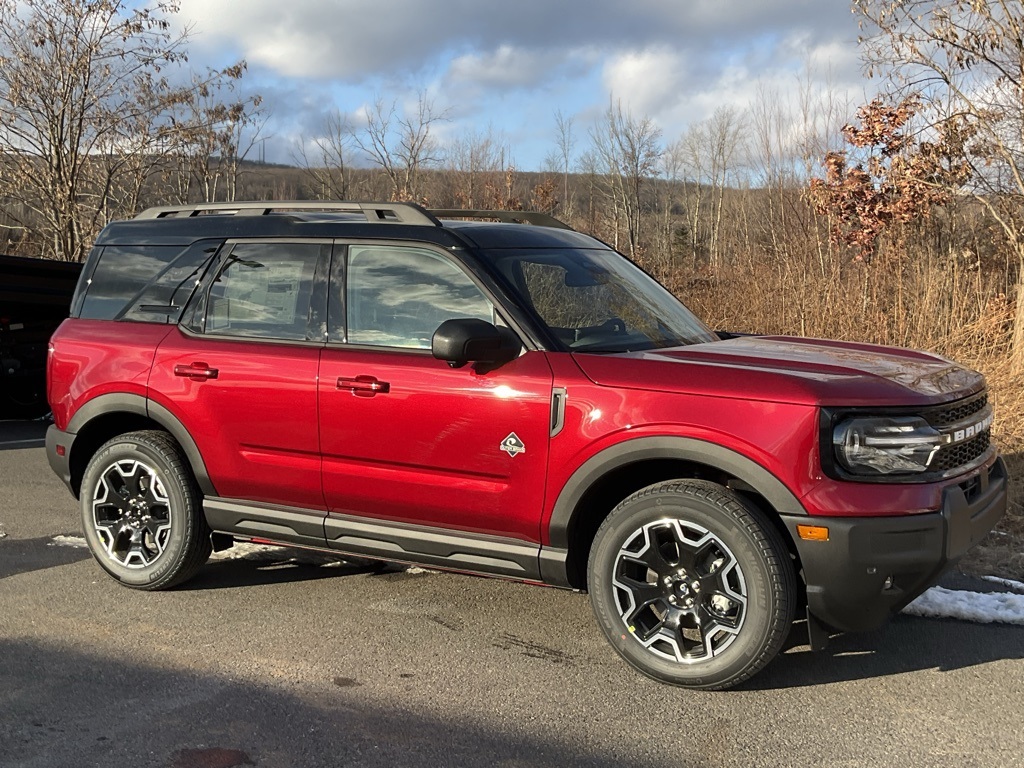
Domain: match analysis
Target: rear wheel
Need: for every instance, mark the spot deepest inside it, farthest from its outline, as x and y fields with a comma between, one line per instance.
x=691, y=585
x=142, y=512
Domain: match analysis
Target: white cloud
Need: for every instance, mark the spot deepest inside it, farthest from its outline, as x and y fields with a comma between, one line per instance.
x=505, y=67
x=512, y=65
x=354, y=39
x=650, y=81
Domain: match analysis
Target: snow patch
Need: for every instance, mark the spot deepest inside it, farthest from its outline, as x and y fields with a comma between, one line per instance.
x=941, y=603
x=244, y=550
x=1009, y=583
x=69, y=541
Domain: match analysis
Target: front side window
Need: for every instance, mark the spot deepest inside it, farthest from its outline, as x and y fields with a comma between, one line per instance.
x=397, y=296
x=264, y=290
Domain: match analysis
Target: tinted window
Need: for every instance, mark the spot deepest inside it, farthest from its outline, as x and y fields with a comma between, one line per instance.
x=165, y=296
x=264, y=290
x=397, y=297
x=121, y=272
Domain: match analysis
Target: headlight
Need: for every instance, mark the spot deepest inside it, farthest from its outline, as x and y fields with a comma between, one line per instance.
x=886, y=445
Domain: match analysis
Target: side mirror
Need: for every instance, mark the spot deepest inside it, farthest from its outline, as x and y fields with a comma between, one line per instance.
x=467, y=340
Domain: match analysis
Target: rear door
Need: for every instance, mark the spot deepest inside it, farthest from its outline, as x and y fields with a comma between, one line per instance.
x=406, y=438
x=240, y=372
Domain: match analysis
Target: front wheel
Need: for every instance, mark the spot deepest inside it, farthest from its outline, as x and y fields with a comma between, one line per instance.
x=692, y=586
x=142, y=513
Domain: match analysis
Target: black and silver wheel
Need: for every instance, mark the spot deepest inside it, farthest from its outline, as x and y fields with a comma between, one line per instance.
x=141, y=512
x=691, y=585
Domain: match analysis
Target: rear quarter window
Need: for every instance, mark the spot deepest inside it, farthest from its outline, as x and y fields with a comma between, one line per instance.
x=146, y=283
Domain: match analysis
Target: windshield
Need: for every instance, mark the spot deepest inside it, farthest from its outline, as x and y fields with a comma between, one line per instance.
x=595, y=300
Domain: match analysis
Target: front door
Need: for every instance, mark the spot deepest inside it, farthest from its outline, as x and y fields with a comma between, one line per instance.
x=408, y=439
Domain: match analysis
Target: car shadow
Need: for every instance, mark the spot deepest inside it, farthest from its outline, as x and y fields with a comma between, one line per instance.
x=66, y=706
x=905, y=644
x=26, y=555
x=281, y=566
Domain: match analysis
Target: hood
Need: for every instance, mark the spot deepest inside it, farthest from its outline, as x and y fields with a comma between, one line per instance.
x=792, y=370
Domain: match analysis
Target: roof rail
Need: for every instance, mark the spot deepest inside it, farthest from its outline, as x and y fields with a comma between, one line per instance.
x=510, y=217
x=395, y=213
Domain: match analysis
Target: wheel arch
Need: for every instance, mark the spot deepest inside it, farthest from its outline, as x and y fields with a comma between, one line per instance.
x=610, y=476
x=115, y=414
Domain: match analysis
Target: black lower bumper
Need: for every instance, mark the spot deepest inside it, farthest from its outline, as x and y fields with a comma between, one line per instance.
x=58, y=452
x=872, y=567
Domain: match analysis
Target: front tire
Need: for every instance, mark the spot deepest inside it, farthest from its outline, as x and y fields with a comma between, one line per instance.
x=691, y=585
x=142, y=512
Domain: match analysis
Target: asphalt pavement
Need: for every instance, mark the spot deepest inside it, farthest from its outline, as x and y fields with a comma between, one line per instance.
x=277, y=660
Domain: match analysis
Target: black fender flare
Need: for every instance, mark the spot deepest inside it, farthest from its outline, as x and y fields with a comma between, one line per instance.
x=682, y=448
x=125, y=402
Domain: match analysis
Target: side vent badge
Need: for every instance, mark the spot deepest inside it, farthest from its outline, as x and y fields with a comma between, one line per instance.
x=512, y=445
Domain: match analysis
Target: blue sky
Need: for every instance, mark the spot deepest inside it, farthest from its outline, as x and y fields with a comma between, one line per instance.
x=507, y=67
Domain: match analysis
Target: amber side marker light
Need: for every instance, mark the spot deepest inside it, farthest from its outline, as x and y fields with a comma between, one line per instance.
x=812, y=532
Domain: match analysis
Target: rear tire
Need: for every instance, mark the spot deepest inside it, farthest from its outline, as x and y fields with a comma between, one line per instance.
x=691, y=585
x=142, y=512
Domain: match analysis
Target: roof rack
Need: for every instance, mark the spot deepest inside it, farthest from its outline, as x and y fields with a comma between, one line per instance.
x=509, y=217
x=395, y=213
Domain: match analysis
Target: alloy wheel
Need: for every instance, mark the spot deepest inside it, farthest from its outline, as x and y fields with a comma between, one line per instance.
x=679, y=590
x=131, y=513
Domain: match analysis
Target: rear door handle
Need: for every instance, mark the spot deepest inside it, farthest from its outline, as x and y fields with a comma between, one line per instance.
x=364, y=386
x=196, y=371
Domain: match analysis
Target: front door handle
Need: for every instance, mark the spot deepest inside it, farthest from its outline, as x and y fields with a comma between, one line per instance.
x=364, y=386
x=196, y=371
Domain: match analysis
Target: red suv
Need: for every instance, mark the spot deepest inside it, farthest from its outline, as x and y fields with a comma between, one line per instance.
x=499, y=394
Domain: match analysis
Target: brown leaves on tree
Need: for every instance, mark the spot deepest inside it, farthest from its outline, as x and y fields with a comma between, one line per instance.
x=894, y=181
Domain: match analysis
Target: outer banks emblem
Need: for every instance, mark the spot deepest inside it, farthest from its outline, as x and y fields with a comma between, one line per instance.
x=512, y=445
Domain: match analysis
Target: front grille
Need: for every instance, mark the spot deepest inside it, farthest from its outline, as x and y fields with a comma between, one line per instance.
x=960, y=417
x=944, y=415
x=960, y=454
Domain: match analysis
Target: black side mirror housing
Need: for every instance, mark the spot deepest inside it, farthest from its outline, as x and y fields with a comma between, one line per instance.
x=468, y=340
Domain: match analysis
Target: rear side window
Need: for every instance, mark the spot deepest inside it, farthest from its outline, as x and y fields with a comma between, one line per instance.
x=264, y=290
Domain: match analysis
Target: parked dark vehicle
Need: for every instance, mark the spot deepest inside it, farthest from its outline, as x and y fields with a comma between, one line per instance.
x=512, y=398
x=35, y=297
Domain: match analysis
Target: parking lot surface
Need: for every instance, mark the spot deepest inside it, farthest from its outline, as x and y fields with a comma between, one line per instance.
x=272, y=659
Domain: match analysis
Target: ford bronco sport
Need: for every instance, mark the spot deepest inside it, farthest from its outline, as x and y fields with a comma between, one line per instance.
x=496, y=393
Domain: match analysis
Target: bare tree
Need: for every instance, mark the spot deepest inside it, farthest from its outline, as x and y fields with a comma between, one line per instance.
x=565, y=142
x=964, y=61
x=692, y=148
x=628, y=150
x=213, y=128
x=79, y=81
x=402, y=144
x=476, y=165
x=327, y=164
x=725, y=132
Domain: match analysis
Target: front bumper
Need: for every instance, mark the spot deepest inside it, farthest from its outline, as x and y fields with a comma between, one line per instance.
x=846, y=576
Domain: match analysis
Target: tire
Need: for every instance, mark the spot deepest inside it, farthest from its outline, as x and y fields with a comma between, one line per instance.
x=142, y=512
x=692, y=586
